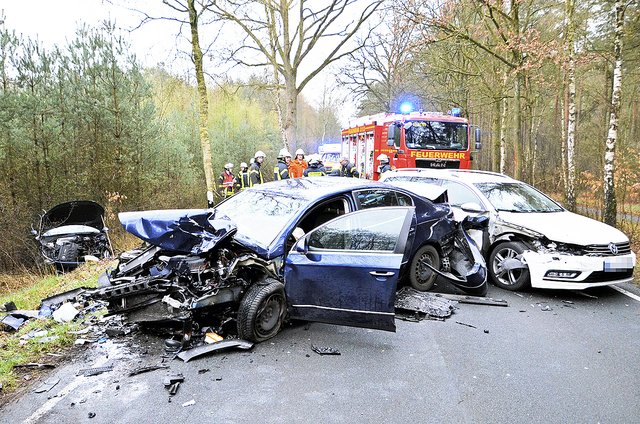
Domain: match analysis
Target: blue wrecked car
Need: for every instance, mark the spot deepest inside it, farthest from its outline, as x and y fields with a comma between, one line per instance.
x=330, y=250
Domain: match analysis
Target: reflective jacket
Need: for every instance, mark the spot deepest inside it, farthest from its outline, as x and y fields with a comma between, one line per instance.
x=297, y=167
x=384, y=168
x=242, y=180
x=226, y=181
x=349, y=170
x=315, y=171
x=280, y=171
x=255, y=175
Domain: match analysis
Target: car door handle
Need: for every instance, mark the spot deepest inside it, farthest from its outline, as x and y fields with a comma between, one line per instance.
x=382, y=274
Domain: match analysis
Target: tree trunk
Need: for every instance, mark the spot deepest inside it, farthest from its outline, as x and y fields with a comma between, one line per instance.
x=517, y=142
x=203, y=103
x=503, y=135
x=571, y=105
x=291, y=112
x=610, y=207
x=495, y=136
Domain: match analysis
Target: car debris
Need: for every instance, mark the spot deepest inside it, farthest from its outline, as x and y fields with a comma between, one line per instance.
x=65, y=313
x=172, y=383
x=47, y=385
x=189, y=403
x=324, y=350
x=473, y=300
x=90, y=372
x=206, y=349
x=149, y=368
x=34, y=365
x=410, y=299
x=465, y=324
x=8, y=307
x=12, y=323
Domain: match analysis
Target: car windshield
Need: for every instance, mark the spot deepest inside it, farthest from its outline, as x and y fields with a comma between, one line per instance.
x=436, y=135
x=260, y=215
x=517, y=197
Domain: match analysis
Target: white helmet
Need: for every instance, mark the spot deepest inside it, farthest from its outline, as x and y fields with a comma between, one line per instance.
x=243, y=165
x=300, y=152
x=314, y=159
x=258, y=154
x=383, y=158
x=283, y=153
x=228, y=166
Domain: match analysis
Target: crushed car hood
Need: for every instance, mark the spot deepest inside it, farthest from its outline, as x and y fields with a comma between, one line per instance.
x=566, y=227
x=192, y=231
x=77, y=212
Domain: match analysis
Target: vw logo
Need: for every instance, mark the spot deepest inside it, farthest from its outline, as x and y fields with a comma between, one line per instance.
x=613, y=248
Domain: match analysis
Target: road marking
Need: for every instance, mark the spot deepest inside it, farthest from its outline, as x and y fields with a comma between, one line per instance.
x=626, y=293
x=48, y=405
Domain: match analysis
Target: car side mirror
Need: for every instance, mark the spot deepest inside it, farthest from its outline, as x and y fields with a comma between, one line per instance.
x=475, y=222
x=302, y=246
x=472, y=207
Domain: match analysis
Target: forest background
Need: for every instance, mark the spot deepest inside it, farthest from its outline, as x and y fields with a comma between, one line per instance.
x=85, y=119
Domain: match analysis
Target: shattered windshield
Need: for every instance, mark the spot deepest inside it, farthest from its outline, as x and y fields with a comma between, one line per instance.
x=436, y=135
x=517, y=197
x=260, y=215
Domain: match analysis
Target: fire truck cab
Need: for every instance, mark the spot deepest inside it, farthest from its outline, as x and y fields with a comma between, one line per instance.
x=410, y=140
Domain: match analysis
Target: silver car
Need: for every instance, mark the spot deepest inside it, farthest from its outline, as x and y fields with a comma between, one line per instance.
x=531, y=239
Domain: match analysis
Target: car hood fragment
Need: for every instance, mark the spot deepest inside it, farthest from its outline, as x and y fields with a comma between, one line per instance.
x=566, y=227
x=77, y=212
x=192, y=231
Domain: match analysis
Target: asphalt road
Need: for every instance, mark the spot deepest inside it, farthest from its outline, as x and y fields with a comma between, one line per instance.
x=576, y=363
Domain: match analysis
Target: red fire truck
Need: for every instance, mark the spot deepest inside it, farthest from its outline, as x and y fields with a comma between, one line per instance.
x=410, y=140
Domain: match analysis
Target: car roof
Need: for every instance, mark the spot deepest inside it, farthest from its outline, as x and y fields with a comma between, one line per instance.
x=465, y=175
x=316, y=188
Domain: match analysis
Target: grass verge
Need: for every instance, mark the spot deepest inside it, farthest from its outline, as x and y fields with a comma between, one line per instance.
x=14, y=350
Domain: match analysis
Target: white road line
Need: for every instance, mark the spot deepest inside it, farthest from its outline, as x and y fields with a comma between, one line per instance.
x=626, y=293
x=48, y=405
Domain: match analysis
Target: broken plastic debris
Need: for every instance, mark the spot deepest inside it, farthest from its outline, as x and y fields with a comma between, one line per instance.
x=189, y=403
x=323, y=350
x=12, y=322
x=546, y=308
x=88, y=372
x=188, y=355
x=34, y=365
x=8, y=307
x=65, y=313
x=47, y=385
x=213, y=338
x=47, y=339
x=142, y=370
x=465, y=324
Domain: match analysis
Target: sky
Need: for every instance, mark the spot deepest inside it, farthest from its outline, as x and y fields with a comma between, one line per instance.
x=56, y=21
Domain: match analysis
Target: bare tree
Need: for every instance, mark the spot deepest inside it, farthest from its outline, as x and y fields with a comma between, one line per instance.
x=297, y=38
x=570, y=192
x=610, y=207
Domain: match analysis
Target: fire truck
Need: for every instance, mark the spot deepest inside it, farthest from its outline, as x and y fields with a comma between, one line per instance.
x=410, y=140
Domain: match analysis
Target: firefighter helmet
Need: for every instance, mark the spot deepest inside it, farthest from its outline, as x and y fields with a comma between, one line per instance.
x=228, y=166
x=383, y=158
x=258, y=154
x=243, y=165
x=300, y=152
x=314, y=160
x=284, y=153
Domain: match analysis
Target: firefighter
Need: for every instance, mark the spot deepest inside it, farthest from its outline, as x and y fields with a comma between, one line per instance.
x=315, y=168
x=384, y=164
x=242, y=179
x=298, y=165
x=281, y=170
x=226, y=181
x=255, y=174
x=347, y=169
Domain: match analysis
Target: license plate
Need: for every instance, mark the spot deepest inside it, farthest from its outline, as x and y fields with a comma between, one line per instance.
x=617, y=264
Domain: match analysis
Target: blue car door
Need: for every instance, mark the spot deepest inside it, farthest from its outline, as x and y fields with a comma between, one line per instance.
x=346, y=271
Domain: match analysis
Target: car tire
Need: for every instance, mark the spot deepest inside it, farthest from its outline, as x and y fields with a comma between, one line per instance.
x=421, y=277
x=262, y=311
x=516, y=279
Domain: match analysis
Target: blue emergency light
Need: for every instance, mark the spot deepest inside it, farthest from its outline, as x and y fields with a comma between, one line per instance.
x=406, y=107
x=456, y=111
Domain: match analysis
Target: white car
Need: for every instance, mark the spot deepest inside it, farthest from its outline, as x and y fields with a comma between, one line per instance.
x=531, y=239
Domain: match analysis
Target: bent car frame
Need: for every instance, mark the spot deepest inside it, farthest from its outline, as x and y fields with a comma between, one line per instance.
x=317, y=249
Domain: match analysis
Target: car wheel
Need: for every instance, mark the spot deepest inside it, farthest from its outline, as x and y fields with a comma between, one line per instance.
x=421, y=277
x=509, y=279
x=262, y=311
